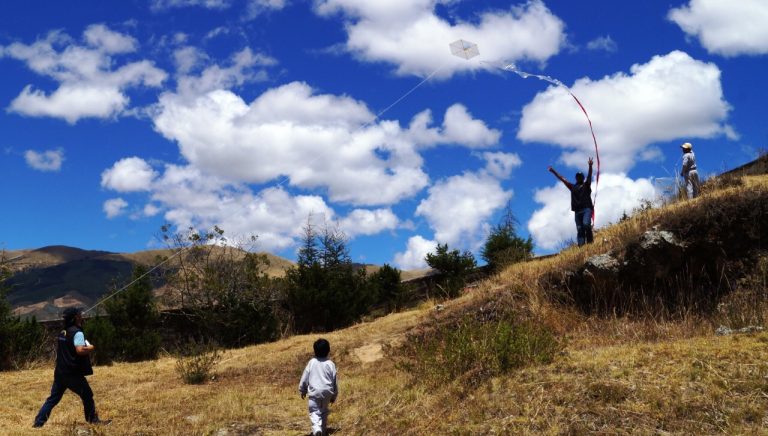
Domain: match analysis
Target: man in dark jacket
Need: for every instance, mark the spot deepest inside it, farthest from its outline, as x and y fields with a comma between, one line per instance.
x=581, y=203
x=73, y=363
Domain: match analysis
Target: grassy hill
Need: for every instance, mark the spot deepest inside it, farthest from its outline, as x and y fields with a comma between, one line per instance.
x=652, y=365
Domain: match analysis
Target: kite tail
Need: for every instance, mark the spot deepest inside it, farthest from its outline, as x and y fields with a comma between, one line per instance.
x=597, y=153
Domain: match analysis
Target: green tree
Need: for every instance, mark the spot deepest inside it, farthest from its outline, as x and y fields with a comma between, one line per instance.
x=223, y=287
x=454, y=267
x=325, y=290
x=135, y=318
x=387, y=286
x=503, y=246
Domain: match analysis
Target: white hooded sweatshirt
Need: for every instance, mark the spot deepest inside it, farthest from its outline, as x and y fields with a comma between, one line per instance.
x=319, y=379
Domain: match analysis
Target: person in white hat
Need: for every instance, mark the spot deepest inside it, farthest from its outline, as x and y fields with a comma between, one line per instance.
x=689, y=173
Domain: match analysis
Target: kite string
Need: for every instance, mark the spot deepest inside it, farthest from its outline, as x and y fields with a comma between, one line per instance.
x=279, y=183
x=134, y=280
x=525, y=75
x=375, y=118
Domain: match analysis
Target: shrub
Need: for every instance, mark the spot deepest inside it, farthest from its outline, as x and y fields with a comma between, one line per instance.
x=196, y=362
x=475, y=350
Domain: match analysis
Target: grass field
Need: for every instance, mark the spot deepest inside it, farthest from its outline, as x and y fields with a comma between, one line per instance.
x=647, y=375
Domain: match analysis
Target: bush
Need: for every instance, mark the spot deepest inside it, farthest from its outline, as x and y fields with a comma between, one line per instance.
x=196, y=362
x=474, y=350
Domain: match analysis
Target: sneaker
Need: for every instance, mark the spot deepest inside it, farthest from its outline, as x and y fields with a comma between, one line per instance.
x=37, y=425
x=317, y=433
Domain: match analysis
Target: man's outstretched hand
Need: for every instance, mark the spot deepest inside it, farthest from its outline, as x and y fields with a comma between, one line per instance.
x=590, y=161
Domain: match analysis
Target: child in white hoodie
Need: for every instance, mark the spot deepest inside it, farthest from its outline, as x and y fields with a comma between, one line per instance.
x=319, y=381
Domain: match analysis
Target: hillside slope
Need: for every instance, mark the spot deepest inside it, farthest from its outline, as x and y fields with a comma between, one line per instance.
x=647, y=371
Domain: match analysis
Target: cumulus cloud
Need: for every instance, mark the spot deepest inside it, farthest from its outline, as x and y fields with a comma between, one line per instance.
x=49, y=160
x=313, y=141
x=368, y=222
x=415, y=253
x=242, y=69
x=191, y=198
x=128, y=175
x=726, y=28
x=553, y=223
x=603, y=43
x=458, y=207
x=89, y=85
x=410, y=34
x=672, y=96
x=114, y=207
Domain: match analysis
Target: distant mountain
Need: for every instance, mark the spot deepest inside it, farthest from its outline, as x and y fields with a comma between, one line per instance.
x=48, y=279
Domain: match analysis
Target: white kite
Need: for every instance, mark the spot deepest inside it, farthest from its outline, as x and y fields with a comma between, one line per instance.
x=464, y=49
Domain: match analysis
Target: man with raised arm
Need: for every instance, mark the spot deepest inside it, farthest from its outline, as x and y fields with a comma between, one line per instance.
x=581, y=203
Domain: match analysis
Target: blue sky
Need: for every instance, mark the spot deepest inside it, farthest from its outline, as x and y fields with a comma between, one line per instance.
x=256, y=115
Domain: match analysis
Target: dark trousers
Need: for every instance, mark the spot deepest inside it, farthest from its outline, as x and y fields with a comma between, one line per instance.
x=584, y=226
x=77, y=384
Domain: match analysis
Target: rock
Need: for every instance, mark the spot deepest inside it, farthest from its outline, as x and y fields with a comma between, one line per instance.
x=603, y=264
x=657, y=255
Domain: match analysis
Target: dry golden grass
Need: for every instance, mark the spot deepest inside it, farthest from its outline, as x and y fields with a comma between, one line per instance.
x=616, y=375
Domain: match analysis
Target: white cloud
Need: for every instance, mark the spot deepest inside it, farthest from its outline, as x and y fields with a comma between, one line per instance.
x=671, y=97
x=500, y=165
x=311, y=140
x=368, y=222
x=49, y=160
x=410, y=35
x=101, y=37
x=187, y=58
x=161, y=5
x=603, y=43
x=554, y=222
x=128, y=175
x=415, y=253
x=460, y=127
x=258, y=7
x=215, y=77
x=151, y=210
x=458, y=207
x=88, y=83
x=191, y=198
x=728, y=28
x=114, y=207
